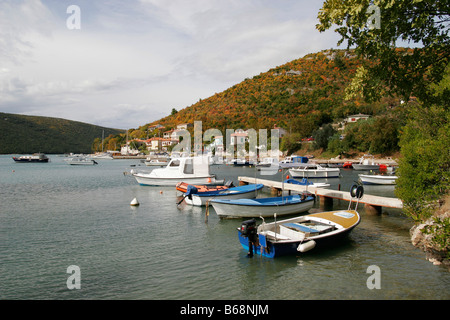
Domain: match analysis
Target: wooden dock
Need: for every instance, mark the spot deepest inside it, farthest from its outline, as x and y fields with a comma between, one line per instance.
x=373, y=204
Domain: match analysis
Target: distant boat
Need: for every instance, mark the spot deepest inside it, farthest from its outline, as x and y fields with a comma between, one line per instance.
x=300, y=234
x=193, y=170
x=265, y=207
x=35, y=157
x=366, y=162
x=156, y=162
x=196, y=198
x=378, y=179
x=103, y=155
x=314, y=171
x=80, y=161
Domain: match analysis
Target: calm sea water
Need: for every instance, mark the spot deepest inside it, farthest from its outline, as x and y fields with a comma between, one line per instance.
x=53, y=216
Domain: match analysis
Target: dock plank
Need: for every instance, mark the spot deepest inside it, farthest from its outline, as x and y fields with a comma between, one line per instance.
x=329, y=193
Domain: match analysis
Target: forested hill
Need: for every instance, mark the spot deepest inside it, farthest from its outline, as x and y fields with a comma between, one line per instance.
x=300, y=96
x=22, y=134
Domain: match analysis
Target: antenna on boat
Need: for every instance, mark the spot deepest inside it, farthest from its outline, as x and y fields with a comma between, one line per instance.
x=356, y=191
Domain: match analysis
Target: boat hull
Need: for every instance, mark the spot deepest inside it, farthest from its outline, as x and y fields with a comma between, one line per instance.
x=248, y=208
x=341, y=224
x=377, y=179
x=171, y=182
x=249, y=192
x=366, y=166
x=311, y=173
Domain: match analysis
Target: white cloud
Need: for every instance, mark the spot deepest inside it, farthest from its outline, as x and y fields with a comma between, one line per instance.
x=131, y=64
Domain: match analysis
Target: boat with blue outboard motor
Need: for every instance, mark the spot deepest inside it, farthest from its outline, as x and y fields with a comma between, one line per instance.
x=299, y=234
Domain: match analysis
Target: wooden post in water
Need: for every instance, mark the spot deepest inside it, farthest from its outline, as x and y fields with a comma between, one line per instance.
x=326, y=203
x=372, y=210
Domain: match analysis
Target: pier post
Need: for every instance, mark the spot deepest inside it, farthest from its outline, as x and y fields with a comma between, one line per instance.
x=275, y=191
x=372, y=210
x=326, y=202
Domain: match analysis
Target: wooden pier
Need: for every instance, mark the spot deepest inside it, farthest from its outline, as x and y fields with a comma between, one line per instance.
x=373, y=204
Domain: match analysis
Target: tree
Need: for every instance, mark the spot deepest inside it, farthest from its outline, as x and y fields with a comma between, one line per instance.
x=422, y=72
x=375, y=26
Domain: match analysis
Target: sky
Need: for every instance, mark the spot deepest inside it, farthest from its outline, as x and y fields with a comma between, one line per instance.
x=123, y=64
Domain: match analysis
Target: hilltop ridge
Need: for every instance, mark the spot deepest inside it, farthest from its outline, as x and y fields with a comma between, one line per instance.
x=29, y=134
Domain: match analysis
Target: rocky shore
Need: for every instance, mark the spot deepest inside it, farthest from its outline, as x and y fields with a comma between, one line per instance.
x=423, y=240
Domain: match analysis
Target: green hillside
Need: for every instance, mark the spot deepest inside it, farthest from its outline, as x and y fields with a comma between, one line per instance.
x=22, y=134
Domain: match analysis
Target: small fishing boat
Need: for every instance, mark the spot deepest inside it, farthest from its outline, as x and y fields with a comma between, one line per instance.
x=183, y=186
x=81, y=161
x=264, y=207
x=378, y=179
x=314, y=171
x=196, y=198
x=193, y=170
x=367, y=162
x=35, y=157
x=300, y=234
x=305, y=182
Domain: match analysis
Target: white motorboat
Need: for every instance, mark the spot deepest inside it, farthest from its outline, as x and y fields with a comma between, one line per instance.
x=367, y=162
x=80, y=161
x=314, y=171
x=378, y=179
x=103, y=156
x=192, y=170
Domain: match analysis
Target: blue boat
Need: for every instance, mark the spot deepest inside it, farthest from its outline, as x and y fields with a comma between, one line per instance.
x=196, y=198
x=300, y=234
x=264, y=207
x=305, y=182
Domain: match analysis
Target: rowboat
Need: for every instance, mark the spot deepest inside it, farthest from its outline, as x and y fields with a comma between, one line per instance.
x=378, y=179
x=193, y=197
x=193, y=170
x=264, y=207
x=183, y=186
x=300, y=234
x=314, y=171
x=305, y=182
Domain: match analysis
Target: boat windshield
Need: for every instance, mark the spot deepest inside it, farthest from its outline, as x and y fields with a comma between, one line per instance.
x=175, y=163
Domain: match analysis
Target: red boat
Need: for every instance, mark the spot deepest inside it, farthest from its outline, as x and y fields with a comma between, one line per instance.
x=182, y=186
x=347, y=165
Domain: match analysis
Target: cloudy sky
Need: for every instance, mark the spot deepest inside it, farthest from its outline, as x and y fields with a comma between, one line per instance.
x=130, y=62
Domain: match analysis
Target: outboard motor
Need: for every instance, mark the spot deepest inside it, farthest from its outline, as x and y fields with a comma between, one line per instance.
x=249, y=230
x=190, y=191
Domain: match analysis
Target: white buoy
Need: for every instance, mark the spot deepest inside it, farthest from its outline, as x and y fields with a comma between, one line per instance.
x=306, y=246
x=134, y=202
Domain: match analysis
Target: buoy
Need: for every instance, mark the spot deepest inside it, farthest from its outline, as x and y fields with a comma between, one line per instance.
x=306, y=246
x=134, y=202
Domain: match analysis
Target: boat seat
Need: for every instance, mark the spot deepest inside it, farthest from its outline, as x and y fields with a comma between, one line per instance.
x=274, y=235
x=300, y=227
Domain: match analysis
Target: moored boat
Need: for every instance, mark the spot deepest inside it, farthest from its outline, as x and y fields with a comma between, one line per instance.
x=193, y=197
x=367, y=162
x=183, y=186
x=305, y=182
x=80, y=161
x=300, y=234
x=264, y=207
x=192, y=170
x=314, y=171
x=35, y=157
x=378, y=179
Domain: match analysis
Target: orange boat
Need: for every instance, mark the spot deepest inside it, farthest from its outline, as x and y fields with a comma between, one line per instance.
x=182, y=186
